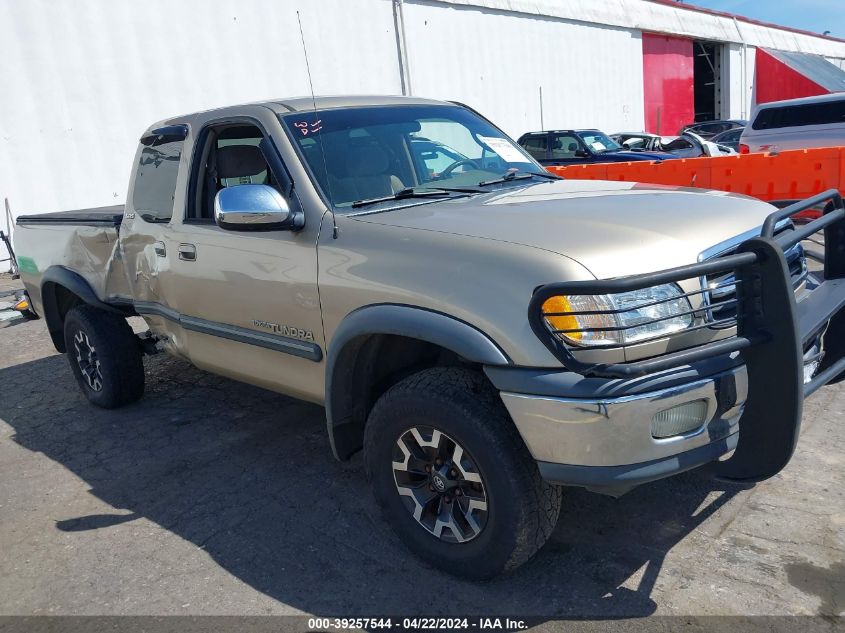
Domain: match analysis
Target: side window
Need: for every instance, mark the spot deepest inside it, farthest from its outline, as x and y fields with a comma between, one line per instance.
x=564, y=146
x=822, y=113
x=536, y=146
x=155, y=181
x=238, y=175
x=230, y=157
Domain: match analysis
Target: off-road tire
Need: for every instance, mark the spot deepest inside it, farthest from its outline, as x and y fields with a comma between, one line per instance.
x=522, y=507
x=117, y=350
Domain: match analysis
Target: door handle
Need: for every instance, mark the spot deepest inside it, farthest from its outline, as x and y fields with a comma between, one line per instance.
x=160, y=249
x=187, y=252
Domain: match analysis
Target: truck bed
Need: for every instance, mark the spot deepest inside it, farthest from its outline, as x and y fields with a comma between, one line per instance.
x=82, y=242
x=99, y=216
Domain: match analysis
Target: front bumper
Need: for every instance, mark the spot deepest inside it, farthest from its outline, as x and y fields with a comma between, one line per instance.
x=597, y=433
x=617, y=480
x=618, y=431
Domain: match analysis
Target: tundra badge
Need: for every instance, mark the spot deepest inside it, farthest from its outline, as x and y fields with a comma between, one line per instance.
x=285, y=330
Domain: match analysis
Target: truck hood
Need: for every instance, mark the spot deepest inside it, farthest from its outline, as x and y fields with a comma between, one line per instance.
x=611, y=228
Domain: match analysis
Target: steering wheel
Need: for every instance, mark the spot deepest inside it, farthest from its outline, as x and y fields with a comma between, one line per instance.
x=464, y=161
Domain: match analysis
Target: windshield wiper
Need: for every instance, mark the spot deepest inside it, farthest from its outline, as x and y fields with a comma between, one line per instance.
x=417, y=192
x=515, y=175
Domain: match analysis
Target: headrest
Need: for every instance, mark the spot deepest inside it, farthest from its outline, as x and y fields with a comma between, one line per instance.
x=366, y=161
x=572, y=147
x=236, y=161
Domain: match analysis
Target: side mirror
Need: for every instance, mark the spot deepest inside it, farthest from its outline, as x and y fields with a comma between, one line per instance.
x=581, y=153
x=251, y=208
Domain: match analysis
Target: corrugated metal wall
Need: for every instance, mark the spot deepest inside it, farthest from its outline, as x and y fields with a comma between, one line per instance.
x=82, y=78
x=497, y=62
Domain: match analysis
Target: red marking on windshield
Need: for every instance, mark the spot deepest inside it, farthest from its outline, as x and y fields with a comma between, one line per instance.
x=309, y=128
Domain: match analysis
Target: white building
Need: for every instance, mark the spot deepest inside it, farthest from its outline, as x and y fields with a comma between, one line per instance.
x=81, y=79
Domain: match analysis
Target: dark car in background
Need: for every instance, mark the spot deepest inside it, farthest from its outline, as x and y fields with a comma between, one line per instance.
x=709, y=129
x=730, y=138
x=569, y=147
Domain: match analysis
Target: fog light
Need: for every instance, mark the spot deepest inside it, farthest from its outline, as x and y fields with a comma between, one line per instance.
x=679, y=420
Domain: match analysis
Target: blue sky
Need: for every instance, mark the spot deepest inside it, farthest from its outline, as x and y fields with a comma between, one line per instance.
x=811, y=15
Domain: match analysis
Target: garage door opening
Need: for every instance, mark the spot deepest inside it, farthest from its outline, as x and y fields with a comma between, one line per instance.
x=707, y=80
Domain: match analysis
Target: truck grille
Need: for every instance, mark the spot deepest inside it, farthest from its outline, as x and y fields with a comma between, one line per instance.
x=721, y=300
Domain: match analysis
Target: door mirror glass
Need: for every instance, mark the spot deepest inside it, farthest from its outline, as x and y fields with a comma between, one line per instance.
x=581, y=153
x=251, y=208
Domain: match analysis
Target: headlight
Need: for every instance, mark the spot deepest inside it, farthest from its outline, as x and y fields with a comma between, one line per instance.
x=618, y=319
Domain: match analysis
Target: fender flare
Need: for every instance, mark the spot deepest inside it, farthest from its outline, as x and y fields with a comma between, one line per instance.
x=412, y=322
x=74, y=283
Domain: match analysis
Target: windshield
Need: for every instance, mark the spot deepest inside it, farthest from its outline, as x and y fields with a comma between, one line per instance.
x=378, y=151
x=599, y=141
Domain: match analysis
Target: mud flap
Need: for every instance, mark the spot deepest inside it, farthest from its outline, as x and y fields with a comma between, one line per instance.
x=771, y=422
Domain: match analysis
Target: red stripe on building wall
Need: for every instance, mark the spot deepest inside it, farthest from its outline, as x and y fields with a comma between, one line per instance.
x=775, y=81
x=667, y=83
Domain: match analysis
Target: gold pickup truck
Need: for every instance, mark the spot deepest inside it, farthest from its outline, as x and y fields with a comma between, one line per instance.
x=485, y=331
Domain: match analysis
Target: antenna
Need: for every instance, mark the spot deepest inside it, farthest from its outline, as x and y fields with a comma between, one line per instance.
x=320, y=136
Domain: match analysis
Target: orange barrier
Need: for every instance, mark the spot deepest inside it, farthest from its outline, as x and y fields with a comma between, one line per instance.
x=789, y=175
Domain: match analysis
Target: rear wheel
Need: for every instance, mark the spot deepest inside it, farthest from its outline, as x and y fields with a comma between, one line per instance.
x=454, y=478
x=105, y=356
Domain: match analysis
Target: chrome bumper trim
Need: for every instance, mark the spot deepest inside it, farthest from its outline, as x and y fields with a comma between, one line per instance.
x=617, y=431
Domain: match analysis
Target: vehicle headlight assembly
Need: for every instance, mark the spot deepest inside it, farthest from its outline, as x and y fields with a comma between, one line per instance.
x=618, y=319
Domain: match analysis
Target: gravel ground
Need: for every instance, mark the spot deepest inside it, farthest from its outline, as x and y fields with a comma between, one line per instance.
x=214, y=497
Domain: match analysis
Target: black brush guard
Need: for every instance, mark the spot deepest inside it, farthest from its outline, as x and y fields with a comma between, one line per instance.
x=772, y=330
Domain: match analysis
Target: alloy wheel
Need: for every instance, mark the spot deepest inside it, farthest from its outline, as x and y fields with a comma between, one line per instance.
x=89, y=364
x=440, y=484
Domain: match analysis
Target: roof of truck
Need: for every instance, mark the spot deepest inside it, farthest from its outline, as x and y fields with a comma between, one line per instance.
x=300, y=104
x=286, y=105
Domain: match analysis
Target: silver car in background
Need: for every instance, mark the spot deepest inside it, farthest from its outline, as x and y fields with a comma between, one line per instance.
x=688, y=145
x=796, y=124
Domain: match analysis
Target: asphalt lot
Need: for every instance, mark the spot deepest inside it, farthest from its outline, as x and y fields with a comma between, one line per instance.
x=213, y=497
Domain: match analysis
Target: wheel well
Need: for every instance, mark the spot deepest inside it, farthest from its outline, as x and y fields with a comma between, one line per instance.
x=366, y=368
x=58, y=301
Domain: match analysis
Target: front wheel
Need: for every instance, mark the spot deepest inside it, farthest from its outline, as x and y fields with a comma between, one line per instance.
x=453, y=477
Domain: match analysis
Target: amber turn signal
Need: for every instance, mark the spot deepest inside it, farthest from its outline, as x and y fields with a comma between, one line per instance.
x=558, y=304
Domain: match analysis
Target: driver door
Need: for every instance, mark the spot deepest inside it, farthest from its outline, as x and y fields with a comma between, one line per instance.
x=247, y=300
